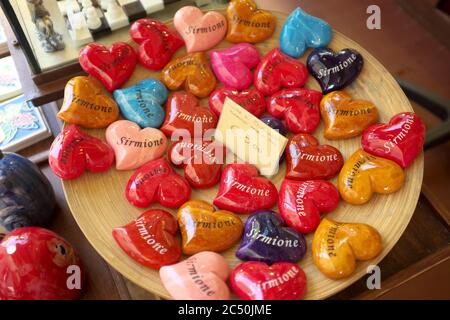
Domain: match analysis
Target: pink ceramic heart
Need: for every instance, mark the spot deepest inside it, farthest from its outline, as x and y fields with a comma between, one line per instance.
x=232, y=65
x=200, y=31
x=134, y=147
x=200, y=277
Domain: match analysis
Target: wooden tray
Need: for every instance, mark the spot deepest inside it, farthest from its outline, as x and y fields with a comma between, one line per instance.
x=98, y=203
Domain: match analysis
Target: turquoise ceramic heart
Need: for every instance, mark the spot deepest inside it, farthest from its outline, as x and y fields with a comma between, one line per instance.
x=142, y=103
x=302, y=31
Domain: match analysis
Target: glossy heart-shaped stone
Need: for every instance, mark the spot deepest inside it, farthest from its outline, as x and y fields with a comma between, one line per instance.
x=204, y=229
x=233, y=65
x=276, y=124
x=142, y=102
x=302, y=31
x=334, y=71
x=400, y=140
x=302, y=202
x=200, y=31
x=202, y=161
x=200, y=277
x=277, y=70
x=156, y=181
x=150, y=239
x=254, y=280
x=73, y=151
x=134, y=147
x=307, y=160
x=267, y=239
x=87, y=104
x=111, y=66
x=346, y=118
x=246, y=23
x=298, y=107
x=185, y=118
x=363, y=174
x=242, y=190
x=157, y=42
x=337, y=246
x=191, y=70
x=251, y=100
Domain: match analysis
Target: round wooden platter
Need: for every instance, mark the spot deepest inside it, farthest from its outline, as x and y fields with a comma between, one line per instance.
x=98, y=203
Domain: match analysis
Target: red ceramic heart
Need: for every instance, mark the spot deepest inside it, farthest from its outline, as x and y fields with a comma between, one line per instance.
x=186, y=118
x=202, y=161
x=150, y=239
x=157, y=43
x=156, y=181
x=242, y=190
x=73, y=151
x=277, y=70
x=111, y=66
x=251, y=100
x=307, y=160
x=298, y=107
x=257, y=281
x=302, y=202
x=400, y=140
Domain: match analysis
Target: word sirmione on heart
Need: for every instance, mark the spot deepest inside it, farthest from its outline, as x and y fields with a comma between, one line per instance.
x=315, y=157
x=215, y=225
x=300, y=198
x=91, y=106
x=140, y=144
x=335, y=69
x=254, y=234
x=149, y=238
x=252, y=24
x=283, y=278
x=193, y=273
x=349, y=113
x=209, y=155
x=251, y=190
x=348, y=182
x=210, y=28
x=193, y=118
x=406, y=127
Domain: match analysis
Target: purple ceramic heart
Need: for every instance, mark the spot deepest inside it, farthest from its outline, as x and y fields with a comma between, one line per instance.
x=276, y=124
x=267, y=239
x=334, y=71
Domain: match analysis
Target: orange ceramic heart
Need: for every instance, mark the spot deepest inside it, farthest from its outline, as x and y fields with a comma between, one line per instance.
x=363, y=174
x=193, y=71
x=346, y=118
x=203, y=229
x=248, y=24
x=87, y=104
x=337, y=246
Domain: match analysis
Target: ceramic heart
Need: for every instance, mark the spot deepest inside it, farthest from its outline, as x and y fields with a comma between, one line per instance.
x=334, y=71
x=202, y=161
x=150, y=239
x=248, y=24
x=204, y=229
x=142, y=102
x=346, y=118
x=302, y=202
x=73, y=151
x=134, y=147
x=277, y=70
x=242, y=190
x=400, y=140
x=199, y=31
x=307, y=160
x=185, y=118
x=302, y=31
x=267, y=239
x=191, y=70
x=233, y=65
x=257, y=281
x=200, y=277
x=337, y=246
x=251, y=100
x=156, y=181
x=363, y=174
x=87, y=104
x=111, y=66
x=298, y=107
x=157, y=43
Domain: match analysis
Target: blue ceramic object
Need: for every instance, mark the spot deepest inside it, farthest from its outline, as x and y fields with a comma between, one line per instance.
x=142, y=103
x=302, y=31
x=26, y=196
x=267, y=239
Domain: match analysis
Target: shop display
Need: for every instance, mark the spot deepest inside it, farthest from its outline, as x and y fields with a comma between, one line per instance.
x=204, y=229
x=251, y=100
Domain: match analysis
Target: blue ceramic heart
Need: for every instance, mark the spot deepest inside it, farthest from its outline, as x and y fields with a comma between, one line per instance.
x=302, y=31
x=267, y=239
x=142, y=103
